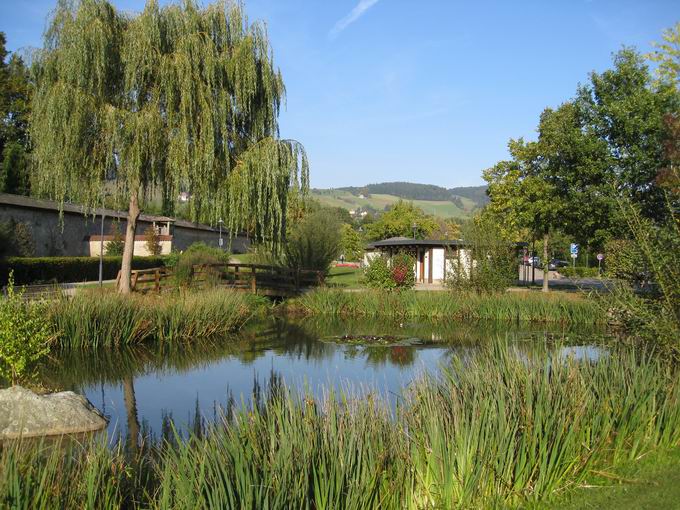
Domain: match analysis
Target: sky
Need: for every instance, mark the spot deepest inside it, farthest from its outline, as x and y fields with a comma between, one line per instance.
x=423, y=91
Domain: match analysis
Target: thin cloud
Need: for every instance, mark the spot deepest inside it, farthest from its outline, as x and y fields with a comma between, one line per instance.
x=356, y=13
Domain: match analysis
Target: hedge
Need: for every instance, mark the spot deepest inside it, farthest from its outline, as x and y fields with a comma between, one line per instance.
x=36, y=270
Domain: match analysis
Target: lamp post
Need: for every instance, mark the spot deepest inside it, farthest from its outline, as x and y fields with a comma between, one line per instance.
x=101, y=243
x=414, y=226
x=219, y=222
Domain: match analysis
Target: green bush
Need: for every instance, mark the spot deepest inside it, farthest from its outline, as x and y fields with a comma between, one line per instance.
x=16, y=239
x=24, y=335
x=37, y=270
x=115, y=247
x=388, y=273
x=489, y=263
x=579, y=272
x=314, y=242
x=198, y=254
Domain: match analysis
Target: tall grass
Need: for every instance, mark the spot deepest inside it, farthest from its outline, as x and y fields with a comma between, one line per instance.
x=500, y=429
x=507, y=306
x=105, y=319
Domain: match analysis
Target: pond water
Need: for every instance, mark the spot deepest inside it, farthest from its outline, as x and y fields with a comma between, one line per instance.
x=138, y=387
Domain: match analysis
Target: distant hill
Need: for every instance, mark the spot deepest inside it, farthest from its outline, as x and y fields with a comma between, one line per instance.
x=446, y=203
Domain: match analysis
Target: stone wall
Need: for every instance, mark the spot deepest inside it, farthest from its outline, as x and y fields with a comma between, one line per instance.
x=71, y=237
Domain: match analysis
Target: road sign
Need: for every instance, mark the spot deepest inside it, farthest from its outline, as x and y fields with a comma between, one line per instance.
x=573, y=249
x=221, y=242
x=574, y=255
x=600, y=256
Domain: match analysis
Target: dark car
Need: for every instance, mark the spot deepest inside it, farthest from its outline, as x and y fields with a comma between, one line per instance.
x=555, y=264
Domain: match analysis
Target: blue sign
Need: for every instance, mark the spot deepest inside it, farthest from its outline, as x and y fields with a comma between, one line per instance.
x=573, y=249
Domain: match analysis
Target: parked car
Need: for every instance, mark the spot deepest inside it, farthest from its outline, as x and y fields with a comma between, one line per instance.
x=555, y=264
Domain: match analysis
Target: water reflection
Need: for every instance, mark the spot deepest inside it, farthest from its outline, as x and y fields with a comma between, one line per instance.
x=143, y=387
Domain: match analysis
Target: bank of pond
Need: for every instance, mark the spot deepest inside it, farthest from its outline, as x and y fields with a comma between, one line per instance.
x=288, y=408
x=92, y=319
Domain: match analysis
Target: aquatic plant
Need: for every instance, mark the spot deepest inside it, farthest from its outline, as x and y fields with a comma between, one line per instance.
x=104, y=319
x=500, y=429
x=510, y=306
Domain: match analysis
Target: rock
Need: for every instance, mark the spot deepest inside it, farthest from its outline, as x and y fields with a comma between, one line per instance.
x=26, y=414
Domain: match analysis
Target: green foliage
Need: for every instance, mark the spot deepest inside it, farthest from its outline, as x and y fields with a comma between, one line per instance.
x=105, y=319
x=186, y=98
x=24, y=335
x=15, y=96
x=416, y=305
x=399, y=221
x=351, y=243
x=377, y=274
x=16, y=239
x=152, y=241
x=647, y=300
x=115, y=247
x=198, y=254
x=488, y=263
x=390, y=273
x=542, y=427
x=36, y=270
x=667, y=55
x=314, y=242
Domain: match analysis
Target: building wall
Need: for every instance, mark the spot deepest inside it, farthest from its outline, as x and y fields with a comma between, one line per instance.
x=71, y=237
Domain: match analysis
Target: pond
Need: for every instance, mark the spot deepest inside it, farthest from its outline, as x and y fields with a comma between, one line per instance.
x=138, y=388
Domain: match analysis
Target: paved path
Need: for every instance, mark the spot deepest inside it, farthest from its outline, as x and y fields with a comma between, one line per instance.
x=557, y=281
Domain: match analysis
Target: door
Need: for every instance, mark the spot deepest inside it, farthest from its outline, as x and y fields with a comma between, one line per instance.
x=421, y=263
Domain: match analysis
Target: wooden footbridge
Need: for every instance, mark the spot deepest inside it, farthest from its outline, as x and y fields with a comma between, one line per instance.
x=259, y=279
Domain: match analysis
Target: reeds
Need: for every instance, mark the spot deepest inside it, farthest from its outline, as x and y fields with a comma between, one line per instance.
x=499, y=429
x=507, y=306
x=105, y=319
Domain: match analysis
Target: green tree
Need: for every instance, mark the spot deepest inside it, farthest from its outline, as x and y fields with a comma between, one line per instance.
x=667, y=55
x=179, y=97
x=314, y=242
x=399, y=222
x=15, y=95
x=623, y=108
x=351, y=243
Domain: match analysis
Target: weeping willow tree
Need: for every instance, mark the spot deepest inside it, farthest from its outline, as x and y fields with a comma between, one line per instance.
x=176, y=98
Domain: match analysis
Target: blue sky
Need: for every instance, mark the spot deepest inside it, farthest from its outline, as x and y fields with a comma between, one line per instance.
x=424, y=91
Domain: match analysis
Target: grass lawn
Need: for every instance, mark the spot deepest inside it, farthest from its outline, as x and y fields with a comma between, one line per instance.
x=243, y=258
x=346, y=277
x=651, y=483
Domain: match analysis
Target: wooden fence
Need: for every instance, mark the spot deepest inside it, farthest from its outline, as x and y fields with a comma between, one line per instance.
x=255, y=278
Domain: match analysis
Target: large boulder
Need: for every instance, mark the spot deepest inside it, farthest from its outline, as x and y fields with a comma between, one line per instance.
x=27, y=414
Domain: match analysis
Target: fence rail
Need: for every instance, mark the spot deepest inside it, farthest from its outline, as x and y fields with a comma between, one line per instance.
x=255, y=278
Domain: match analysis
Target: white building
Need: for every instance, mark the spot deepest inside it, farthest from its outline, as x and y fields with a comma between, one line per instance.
x=434, y=258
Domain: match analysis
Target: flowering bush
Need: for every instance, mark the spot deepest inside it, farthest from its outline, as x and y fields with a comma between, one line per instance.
x=388, y=273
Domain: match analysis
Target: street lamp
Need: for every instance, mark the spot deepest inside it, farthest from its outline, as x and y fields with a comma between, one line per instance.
x=219, y=222
x=414, y=226
x=101, y=243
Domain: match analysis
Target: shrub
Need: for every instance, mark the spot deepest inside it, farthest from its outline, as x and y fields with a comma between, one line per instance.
x=489, y=262
x=153, y=244
x=24, y=335
x=67, y=269
x=198, y=254
x=16, y=239
x=388, y=273
x=115, y=247
x=314, y=242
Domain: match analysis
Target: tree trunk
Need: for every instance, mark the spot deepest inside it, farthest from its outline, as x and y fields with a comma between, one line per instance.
x=131, y=410
x=546, y=264
x=129, y=250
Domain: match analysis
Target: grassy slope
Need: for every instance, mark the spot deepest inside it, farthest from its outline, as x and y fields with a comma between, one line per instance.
x=652, y=483
x=347, y=200
x=345, y=277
